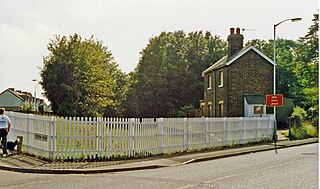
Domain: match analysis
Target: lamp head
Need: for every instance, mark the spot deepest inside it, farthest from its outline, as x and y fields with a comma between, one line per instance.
x=296, y=19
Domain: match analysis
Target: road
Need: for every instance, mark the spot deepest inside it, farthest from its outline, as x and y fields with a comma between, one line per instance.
x=296, y=167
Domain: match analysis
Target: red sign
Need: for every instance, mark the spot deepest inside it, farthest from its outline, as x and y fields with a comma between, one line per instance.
x=274, y=100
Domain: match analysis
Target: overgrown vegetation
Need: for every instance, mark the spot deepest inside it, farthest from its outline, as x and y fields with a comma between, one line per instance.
x=303, y=128
x=303, y=132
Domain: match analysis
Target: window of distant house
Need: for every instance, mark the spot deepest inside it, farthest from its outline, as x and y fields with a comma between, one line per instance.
x=220, y=78
x=209, y=110
x=202, y=110
x=221, y=108
x=209, y=81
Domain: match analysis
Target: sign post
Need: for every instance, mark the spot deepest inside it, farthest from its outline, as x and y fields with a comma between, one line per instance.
x=274, y=100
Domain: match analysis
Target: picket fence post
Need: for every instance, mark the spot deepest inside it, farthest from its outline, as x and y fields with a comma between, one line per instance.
x=160, y=135
x=241, y=130
x=185, y=134
x=206, y=121
x=53, y=137
x=224, y=131
x=131, y=137
x=256, y=129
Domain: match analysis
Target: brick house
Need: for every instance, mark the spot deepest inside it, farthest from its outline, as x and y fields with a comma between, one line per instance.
x=236, y=85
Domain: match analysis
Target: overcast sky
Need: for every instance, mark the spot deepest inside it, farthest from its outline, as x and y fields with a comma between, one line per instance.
x=125, y=26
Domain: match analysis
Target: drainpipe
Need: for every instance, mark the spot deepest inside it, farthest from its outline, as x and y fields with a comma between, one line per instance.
x=214, y=93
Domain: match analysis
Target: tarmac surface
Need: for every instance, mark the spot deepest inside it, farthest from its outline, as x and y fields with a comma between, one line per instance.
x=28, y=164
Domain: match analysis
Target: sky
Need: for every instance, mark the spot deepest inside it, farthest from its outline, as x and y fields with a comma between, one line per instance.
x=125, y=27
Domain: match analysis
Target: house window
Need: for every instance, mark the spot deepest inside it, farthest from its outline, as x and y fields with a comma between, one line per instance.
x=209, y=110
x=221, y=108
x=202, y=110
x=220, y=78
x=209, y=81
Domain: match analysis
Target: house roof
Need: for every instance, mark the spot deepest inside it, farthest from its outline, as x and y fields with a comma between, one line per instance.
x=18, y=93
x=12, y=92
x=225, y=61
x=255, y=99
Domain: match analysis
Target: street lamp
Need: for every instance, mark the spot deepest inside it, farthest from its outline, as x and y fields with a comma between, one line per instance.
x=274, y=69
x=274, y=49
x=35, y=93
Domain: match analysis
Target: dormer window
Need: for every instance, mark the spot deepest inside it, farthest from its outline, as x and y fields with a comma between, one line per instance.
x=220, y=78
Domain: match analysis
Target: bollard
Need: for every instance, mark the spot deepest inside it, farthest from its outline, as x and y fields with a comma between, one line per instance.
x=19, y=145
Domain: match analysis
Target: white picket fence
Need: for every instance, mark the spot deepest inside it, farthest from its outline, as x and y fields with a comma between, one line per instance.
x=94, y=138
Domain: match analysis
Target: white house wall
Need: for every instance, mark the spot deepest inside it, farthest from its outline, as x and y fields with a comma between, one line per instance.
x=249, y=109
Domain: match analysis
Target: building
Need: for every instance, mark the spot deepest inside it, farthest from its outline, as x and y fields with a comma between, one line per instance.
x=236, y=85
x=17, y=100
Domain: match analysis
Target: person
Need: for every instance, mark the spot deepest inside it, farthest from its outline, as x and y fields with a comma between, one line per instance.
x=5, y=125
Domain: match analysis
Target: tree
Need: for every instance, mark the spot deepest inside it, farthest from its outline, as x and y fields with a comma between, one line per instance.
x=168, y=76
x=297, y=67
x=307, y=69
x=80, y=77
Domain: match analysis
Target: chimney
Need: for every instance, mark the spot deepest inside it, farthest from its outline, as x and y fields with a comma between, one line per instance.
x=235, y=42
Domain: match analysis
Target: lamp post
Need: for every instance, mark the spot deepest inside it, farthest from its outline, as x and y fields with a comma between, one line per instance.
x=35, y=94
x=274, y=70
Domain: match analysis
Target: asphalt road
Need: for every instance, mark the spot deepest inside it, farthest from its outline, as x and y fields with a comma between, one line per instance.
x=296, y=167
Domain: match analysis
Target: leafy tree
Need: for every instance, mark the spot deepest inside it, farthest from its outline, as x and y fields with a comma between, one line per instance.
x=297, y=67
x=168, y=75
x=307, y=69
x=80, y=77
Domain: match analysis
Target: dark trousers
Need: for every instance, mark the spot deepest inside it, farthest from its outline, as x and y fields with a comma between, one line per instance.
x=3, y=136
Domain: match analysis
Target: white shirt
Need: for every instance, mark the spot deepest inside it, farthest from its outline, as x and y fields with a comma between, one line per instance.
x=4, y=121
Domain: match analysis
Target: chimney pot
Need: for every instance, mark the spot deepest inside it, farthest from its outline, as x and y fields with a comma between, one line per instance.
x=235, y=42
x=238, y=30
x=231, y=31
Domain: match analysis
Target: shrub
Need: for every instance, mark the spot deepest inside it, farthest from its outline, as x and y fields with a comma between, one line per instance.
x=311, y=130
x=306, y=131
x=299, y=112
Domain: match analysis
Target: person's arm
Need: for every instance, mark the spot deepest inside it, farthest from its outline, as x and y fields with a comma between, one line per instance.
x=9, y=125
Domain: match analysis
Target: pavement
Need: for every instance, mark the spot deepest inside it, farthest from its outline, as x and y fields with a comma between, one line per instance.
x=29, y=164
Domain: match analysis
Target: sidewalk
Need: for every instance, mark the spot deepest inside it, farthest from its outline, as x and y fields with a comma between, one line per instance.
x=26, y=164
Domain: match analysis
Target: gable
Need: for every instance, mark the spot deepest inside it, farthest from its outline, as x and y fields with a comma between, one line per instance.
x=226, y=61
x=244, y=51
x=8, y=98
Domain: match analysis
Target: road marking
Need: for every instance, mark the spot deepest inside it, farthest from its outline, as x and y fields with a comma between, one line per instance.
x=221, y=178
x=183, y=187
x=243, y=173
x=190, y=161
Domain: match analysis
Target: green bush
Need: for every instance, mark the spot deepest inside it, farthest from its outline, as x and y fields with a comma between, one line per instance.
x=299, y=112
x=306, y=131
x=311, y=130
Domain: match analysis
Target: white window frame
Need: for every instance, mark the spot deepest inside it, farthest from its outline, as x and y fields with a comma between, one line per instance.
x=209, y=81
x=221, y=108
x=220, y=78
